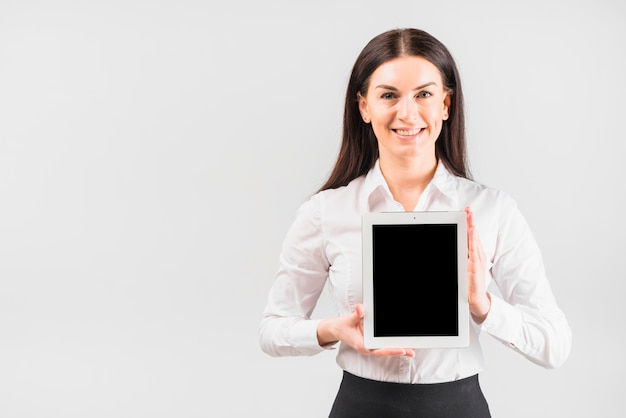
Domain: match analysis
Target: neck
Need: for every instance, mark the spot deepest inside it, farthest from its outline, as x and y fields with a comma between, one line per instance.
x=407, y=179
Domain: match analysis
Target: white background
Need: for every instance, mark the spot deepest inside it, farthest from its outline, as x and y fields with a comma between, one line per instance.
x=153, y=154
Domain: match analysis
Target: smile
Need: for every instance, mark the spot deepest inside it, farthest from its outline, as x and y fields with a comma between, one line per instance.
x=411, y=132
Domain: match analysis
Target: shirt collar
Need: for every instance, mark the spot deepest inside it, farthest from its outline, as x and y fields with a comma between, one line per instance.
x=445, y=182
x=376, y=188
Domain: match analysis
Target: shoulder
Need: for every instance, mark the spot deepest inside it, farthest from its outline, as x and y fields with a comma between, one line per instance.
x=336, y=207
x=473, y=191
x=490, y=205
x=350, y=194
x=338, y=196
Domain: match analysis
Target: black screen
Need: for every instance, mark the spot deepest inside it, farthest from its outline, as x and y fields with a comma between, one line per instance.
x=415, y=280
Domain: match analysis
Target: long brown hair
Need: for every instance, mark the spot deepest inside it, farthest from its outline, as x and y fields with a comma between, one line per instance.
x=359, y=147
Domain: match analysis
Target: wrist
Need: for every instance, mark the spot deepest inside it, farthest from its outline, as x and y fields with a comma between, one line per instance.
x=325, y=334
x=480, y=308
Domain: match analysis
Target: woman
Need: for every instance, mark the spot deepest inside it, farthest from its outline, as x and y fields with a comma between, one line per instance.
x=403, y=149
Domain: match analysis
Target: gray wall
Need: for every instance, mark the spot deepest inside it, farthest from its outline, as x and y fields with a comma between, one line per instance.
x=153, y=153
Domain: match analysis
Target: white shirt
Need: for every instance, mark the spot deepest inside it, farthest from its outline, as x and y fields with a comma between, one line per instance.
x=324, y=244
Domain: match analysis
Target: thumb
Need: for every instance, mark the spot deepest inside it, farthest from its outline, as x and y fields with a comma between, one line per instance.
x=359, y=310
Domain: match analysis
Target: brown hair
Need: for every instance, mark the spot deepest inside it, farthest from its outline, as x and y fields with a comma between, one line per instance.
x=359, y=147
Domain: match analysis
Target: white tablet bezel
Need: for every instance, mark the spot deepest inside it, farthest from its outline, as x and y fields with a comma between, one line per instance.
x=398, y=218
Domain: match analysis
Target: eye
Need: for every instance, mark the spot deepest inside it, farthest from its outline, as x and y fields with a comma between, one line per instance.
x=387, y=96
x=424, y=94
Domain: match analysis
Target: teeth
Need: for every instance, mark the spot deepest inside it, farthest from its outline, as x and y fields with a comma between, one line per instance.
x=408, y=133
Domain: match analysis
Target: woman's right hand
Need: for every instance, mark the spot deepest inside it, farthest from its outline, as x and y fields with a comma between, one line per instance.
x=349, y=330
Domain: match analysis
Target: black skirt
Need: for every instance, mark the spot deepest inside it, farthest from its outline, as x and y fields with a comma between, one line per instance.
x=365, y=398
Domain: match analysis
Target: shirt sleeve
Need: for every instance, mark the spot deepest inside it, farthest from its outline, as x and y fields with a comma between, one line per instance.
x=287, y=328
x=527, y=317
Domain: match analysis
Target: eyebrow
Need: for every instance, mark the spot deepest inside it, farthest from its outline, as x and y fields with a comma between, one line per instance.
x=386, y=87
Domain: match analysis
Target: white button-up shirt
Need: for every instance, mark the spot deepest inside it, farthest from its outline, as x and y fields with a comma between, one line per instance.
x=324, y=244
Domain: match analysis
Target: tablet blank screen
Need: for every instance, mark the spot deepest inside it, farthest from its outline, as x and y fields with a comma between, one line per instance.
x=415, y=280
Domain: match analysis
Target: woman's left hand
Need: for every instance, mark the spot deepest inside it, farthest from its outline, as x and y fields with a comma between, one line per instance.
x=479, y=299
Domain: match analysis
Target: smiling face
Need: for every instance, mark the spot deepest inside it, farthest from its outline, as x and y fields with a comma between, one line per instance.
x=406, y=103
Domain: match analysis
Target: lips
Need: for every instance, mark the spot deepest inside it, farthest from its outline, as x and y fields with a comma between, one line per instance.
x=408, y=132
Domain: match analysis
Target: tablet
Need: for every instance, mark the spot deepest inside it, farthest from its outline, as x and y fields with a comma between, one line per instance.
x=415, y=280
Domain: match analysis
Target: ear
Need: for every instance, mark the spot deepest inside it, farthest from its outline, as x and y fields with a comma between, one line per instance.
x=447, y=100
x=363, y=108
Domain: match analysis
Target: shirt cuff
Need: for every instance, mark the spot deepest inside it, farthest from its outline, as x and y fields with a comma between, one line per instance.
x=503, y=321
x=304, y=337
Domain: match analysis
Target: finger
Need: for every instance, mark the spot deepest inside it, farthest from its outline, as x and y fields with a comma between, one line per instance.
x=480, y=252
x=470, y=230
x=387, y=352
x=470, y=240
x=469, y=216
x=471, y=243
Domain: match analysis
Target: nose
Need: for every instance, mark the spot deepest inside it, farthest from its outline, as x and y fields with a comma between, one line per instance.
x=408, y=109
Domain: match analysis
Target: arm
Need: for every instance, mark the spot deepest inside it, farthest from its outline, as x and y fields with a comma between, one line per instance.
x=287, y=328
x=478, y=297
x=527, y=317
x=349, y=330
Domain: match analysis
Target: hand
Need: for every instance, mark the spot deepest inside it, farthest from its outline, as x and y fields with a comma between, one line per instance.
x=349, y=330
x=478, y=297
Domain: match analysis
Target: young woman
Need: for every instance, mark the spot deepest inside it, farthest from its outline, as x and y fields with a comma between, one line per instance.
x=403, y=149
